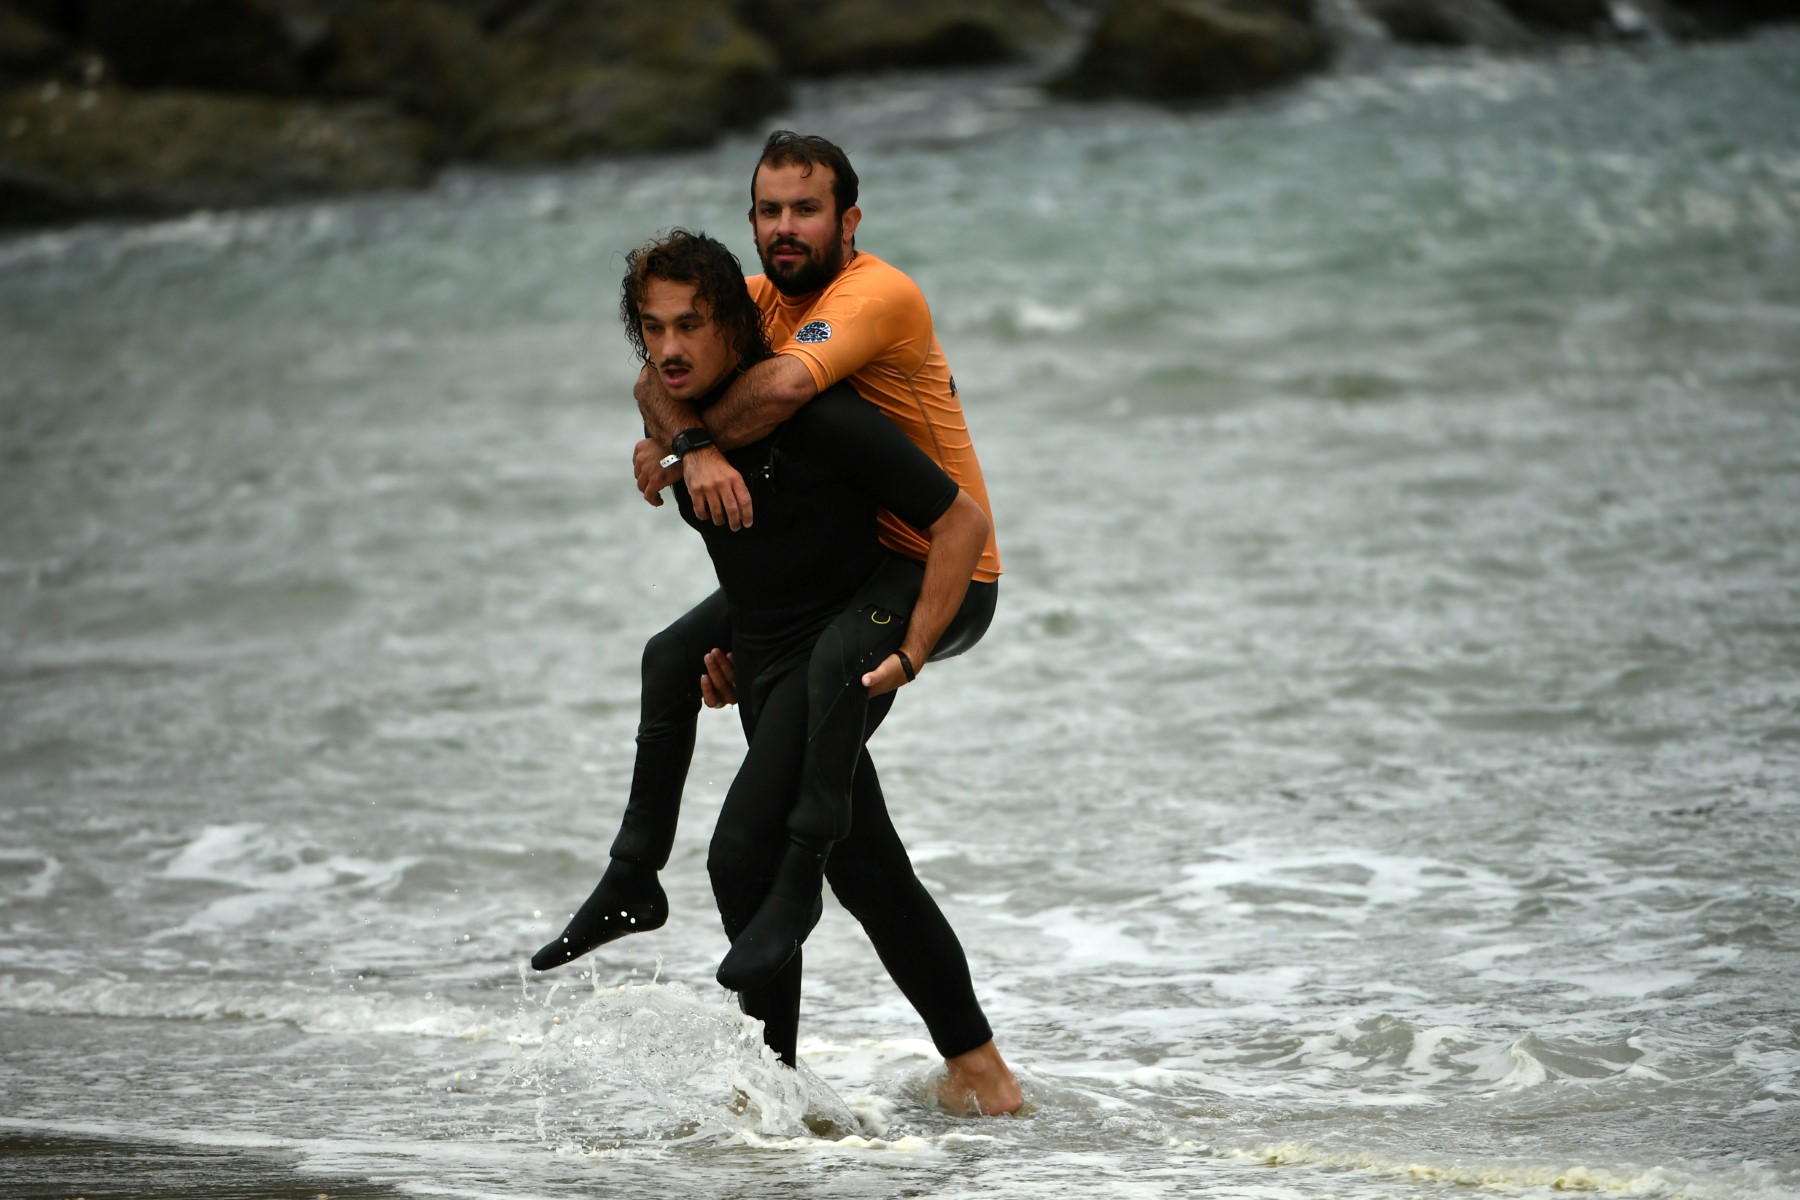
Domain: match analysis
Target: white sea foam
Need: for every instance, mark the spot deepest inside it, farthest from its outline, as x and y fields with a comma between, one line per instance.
x=273, y=869
x=312, y=1009
x=27, y=875
x=1345, y=885
x=252, y=855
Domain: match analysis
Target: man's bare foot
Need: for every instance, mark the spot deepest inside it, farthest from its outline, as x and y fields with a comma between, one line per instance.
x=979, y=1084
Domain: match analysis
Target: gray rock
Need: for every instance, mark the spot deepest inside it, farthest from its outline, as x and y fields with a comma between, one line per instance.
x=27, y=46
x=1567, y=17
x=430, y=60
x=827, y=37
x=488, y=14
x=570, y=112
x=64, y=16
x=580, y=77
x=223, y=45
x=1517, y=24
x=1449, y=23
x=72, y=153
x=1176, y=50
x=1711, y=18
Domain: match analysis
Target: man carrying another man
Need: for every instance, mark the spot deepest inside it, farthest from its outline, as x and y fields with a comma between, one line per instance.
x=837, y=313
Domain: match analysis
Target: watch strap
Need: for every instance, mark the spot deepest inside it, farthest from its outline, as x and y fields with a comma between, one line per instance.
x=690, y=440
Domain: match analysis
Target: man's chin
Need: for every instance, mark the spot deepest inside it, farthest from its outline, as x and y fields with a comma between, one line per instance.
x=691, y=388
x=798, y=280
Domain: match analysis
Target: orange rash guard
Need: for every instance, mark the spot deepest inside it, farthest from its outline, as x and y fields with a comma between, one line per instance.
x=871, y=326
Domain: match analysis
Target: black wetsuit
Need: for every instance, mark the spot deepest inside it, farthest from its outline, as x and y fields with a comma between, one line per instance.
x=790, y=578
x=850, y=646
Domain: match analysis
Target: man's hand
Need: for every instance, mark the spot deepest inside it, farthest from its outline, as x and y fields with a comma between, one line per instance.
x=716, y=488
x=652, y=477
x=888, y=676
x=718, y=687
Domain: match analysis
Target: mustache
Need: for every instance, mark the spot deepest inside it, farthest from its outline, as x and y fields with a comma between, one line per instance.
x=679, y=362
x=789, y=244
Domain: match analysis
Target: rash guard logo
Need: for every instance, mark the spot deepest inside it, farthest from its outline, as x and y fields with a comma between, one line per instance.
x=814, y=331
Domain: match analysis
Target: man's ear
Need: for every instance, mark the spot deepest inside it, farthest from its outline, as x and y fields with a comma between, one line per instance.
x=852, y=218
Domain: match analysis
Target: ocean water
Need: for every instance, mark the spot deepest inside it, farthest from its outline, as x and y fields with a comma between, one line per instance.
x=1381, y=779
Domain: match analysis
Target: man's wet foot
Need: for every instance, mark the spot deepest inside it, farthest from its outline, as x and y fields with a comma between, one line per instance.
x=979, y=1084
x=628, y=899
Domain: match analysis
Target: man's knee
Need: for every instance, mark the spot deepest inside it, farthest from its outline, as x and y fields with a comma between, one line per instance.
x=670, y=655
x=853, y=645
x=670, y=696
x=970, y=623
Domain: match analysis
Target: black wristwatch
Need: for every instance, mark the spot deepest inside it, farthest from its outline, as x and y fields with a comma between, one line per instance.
x=690, y=440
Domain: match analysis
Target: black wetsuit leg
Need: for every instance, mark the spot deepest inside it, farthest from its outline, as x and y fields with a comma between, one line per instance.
x=971, y=622
x=750, y=840
x=628, y=898
x=674, y=660
x=869, y=871
x=669, y=702
x=873, y=878
x=869, y=630
x=838, y=723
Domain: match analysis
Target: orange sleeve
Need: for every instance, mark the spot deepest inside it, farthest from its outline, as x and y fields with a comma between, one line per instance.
x=856, y=325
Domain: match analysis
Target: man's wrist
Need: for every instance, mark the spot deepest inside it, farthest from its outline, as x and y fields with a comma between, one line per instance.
x=690, y=440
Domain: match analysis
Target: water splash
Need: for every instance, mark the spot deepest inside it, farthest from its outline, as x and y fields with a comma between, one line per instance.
x=654, y=1063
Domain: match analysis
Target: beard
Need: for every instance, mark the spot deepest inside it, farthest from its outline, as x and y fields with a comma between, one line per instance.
x=817, y=269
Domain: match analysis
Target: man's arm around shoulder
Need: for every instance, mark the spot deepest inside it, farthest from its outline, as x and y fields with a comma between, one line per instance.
x=757, y=401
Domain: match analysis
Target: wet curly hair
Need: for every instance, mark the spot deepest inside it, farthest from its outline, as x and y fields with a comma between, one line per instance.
x=680, y=256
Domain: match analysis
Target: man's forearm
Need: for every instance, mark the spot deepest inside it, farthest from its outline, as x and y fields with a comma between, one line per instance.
x=664, y=415
x=756, y=402
x=957, y=540
x=760, y=399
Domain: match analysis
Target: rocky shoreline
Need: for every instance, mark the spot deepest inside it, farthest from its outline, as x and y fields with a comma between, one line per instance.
x=151, y=107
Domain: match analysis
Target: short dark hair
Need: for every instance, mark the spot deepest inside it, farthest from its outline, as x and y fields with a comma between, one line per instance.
x=683, y=257
x=785, y=148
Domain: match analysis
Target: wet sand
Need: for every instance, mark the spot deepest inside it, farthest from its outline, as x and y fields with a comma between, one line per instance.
x=62, y=1167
